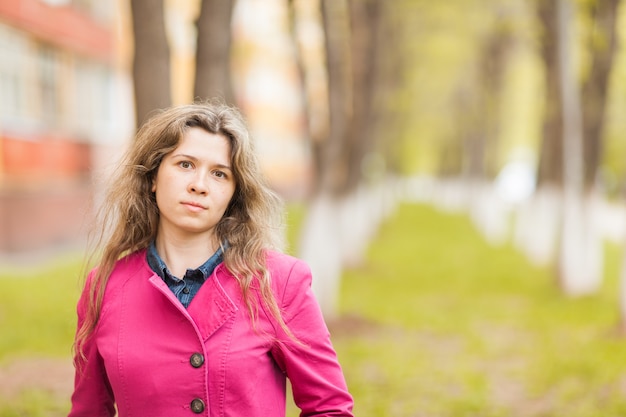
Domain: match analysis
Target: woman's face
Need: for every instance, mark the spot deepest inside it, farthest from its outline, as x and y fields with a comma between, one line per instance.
x=194, y=185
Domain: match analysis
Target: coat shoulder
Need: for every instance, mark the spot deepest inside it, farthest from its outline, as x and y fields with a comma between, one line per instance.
x=127, y=267
x=278, y=262
x=286, y=269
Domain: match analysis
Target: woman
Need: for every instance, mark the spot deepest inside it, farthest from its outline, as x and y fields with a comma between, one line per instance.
x=191, y=309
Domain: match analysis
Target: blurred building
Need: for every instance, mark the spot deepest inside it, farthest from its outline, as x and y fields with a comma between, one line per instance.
x=66, y=105
x=61, y=101
x=269, y=89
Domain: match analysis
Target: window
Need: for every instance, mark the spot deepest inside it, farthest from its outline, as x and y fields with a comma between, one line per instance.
x=48, y=82
x=13, y=49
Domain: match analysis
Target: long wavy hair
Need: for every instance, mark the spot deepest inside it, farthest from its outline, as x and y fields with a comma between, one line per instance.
x=128, y=218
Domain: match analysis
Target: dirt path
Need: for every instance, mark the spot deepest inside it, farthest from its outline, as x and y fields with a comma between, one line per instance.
x=54, y=377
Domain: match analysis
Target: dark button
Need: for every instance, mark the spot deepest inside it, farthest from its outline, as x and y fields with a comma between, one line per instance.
x=196, y=360
x=197, y=405
x=186, y=290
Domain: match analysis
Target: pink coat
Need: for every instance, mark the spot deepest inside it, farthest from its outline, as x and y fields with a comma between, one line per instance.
x=149, y=356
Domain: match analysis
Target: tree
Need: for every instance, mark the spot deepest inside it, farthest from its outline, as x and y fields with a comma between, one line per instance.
x=572, y=139
x=577, y=272
x=542, y=213
x=364, y=45
x=151, y=61
x=340, y=216
x=213, y=51
x=333, y=170
x=602, y=43
x=550, y=170
x=479, y=100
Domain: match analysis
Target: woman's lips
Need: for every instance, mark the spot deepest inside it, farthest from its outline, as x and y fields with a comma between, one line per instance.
x=193, y=206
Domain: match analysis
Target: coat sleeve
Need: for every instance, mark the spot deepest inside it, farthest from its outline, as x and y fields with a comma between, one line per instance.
x=310, y=362
x=92, y=395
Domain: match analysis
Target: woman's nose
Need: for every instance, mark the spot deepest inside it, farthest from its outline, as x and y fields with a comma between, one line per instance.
x=198, y=184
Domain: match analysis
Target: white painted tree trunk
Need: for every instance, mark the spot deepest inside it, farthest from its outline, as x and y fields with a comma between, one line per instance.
x=489, y=213
x=320, y=247
x=611, y=219
x=537, y=225
x=622, y=290
x=580, y=252
x=337, y=232
x=418, y=189
x=356, y=225
x=360, y=216
x=451, y=194
x=581, y=260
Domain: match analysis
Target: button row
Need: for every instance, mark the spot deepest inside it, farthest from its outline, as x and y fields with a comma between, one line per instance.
x=196, y=360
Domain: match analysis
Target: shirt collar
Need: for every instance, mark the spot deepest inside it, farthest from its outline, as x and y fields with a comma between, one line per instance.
x=157, y=264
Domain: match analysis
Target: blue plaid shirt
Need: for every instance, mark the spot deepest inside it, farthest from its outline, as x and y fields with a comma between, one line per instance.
x=186, y=288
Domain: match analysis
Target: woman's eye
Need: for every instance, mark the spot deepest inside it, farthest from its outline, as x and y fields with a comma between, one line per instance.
x=220, y=174
x=185, y=164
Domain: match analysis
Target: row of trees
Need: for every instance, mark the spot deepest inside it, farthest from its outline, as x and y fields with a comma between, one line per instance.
x=575, y=44
x=345, y=149
x=438, y=88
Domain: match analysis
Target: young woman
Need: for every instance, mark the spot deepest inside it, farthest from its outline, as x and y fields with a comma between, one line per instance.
x=192, y=310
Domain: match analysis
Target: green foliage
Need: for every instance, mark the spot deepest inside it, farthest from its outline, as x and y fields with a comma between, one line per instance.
x=439, y=93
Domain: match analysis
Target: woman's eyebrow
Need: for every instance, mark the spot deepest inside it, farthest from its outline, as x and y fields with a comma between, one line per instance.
x=193, y=158
x=184, y=155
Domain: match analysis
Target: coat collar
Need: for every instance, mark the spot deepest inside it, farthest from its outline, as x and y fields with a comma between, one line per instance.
x=212, y=306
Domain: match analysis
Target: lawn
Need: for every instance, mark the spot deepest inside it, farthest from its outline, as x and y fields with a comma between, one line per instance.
x=37, y=324
x=439, y=323
x=435, y=323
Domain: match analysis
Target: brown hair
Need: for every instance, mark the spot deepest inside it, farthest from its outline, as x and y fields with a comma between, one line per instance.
x=129, y=217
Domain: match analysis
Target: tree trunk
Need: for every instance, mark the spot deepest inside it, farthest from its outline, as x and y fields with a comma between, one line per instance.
x=364, y=24
x=488, y=211
x=578, y=265
x=550, y=170
x=320, y=247
x=319, y=240
x=151, y=61
x=342, y=215
x=537, y=225
x=213, y=51
x=602, y=46
x=334, y=171
x=312, y=85
x=493, y=65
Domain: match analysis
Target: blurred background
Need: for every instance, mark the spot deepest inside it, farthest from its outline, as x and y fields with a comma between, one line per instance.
x=473, y=142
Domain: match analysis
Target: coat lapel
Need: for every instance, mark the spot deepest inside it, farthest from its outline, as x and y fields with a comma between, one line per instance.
x=211, y=308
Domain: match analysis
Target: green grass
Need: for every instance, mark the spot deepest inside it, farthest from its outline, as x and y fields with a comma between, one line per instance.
x=436, y=323
x=37, y=308
x=37, y=321
x=450, y=326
